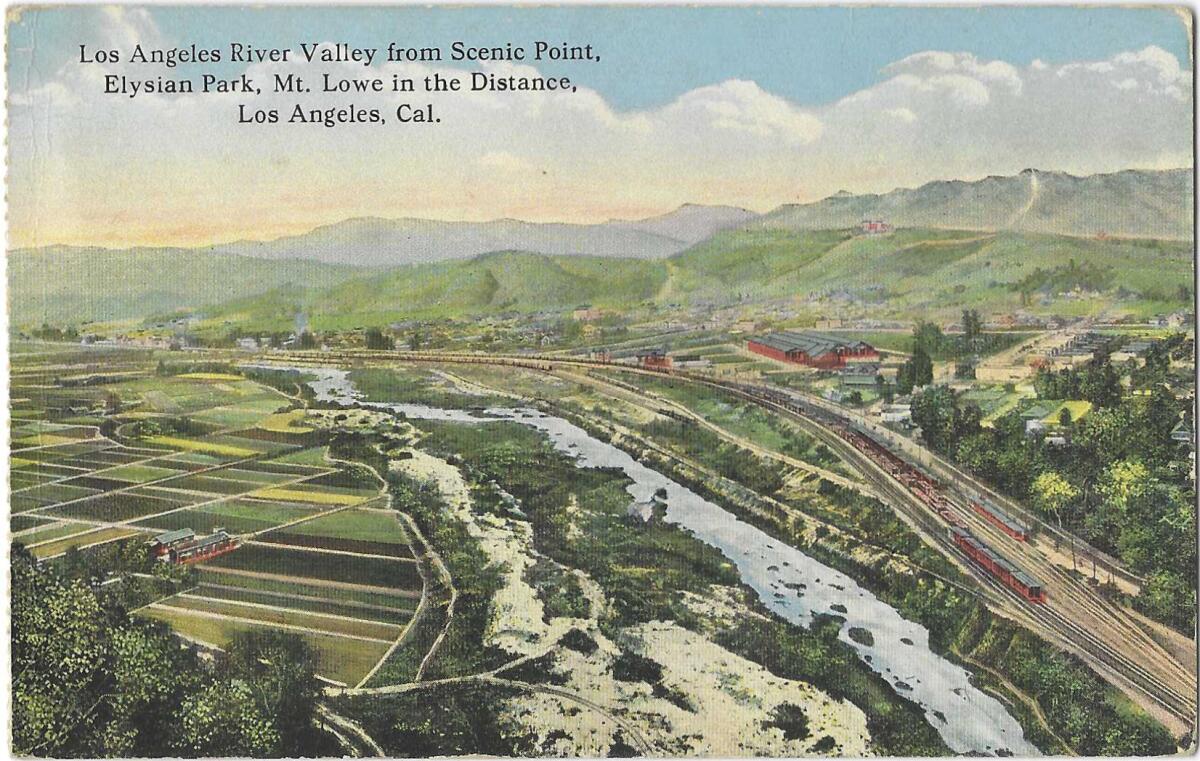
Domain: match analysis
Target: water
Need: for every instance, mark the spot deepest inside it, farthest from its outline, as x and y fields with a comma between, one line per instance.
x=787, y=581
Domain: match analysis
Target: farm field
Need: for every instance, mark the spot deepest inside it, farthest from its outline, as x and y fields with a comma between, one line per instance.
x=211, y=450
x=98, y=536
x=339, y=659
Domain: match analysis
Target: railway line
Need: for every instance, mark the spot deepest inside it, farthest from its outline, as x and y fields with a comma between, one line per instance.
x=1073, y=616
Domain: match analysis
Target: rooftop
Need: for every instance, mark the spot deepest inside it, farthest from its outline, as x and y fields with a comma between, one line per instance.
x=810, y=342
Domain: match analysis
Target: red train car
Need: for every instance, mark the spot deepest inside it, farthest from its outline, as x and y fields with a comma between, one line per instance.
x=1008, y=574
x=1002, y=521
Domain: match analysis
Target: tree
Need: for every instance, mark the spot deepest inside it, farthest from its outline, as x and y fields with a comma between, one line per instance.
x=934, y=411
x=308, y=340
x=280, y=670
x=1052, y=494
x=972, y=327
x=377, y=341
x=1064, y=417
x=223, y=719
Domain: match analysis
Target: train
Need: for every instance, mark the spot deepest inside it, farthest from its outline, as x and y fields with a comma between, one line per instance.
x=1001, y=520
x=995, y=564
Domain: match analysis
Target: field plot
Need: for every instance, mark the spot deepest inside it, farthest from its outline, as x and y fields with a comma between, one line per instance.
x=340, y=658
x=324, y=496
x=85, y=539
x=374, y=532
x=388, y=598
x=237, y=516
x=140, y=473
x=395, y=614
x=122, y=506
x=286, y=618
x=326, y=565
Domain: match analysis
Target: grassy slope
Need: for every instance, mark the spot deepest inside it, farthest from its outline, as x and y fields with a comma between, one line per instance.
x=911, y=271
x=72, y=285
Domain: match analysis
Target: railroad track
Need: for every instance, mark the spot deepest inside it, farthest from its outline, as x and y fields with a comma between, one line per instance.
x=1173, y=689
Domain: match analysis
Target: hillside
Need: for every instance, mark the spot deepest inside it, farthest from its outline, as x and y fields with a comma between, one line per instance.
x=375, y=241
x=920, y=270
x=488, y=284
x=914, y=272
x=1133, y=203
x=66, y=284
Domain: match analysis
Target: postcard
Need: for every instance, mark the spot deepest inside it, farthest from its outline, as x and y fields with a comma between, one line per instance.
x=601, y=381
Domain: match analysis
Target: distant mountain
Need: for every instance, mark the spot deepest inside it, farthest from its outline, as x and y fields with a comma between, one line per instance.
x=1132, y=203
x=75, y=284
x=373, y=241
x=690, y=223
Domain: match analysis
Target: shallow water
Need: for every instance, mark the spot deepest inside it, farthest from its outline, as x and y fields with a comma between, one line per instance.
x=793, y=585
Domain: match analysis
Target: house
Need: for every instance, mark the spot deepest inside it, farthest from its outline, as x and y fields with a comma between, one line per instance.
x=1183, y=434
x=586, y=313
x=859, y=374
x=812, y=349
x=1180, y=319
x=162, y=545
x=898, y=411
x=874, y=227
x=217, y=543
x=1135, y=350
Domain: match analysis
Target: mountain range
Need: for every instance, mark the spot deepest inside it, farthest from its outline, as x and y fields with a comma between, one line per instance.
x=373, y=241
x=1128, y=204
x=693, y=252
x=1131, y=203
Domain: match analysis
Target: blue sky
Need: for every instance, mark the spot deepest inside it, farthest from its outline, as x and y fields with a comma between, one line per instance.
x=748, y=106
x=652, y=55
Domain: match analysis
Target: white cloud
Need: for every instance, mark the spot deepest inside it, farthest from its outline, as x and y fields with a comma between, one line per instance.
x=181, y=166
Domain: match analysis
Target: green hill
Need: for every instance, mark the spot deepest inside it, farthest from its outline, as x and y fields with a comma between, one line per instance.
x=932, y=271
x=911, y=272
x=68, y=284
x=492, y=283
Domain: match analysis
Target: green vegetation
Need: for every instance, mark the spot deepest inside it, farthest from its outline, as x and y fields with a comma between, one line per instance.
x=89, y=680
x=910, y=272
x=414, y=387
x=1089, y=715
x=443, y=720
x=1118, y=479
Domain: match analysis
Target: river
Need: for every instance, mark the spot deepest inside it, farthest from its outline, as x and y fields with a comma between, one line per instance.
x=788, y=582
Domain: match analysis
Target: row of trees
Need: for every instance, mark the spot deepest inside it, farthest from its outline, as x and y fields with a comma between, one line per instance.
x=1120, y=481
x=89, y=680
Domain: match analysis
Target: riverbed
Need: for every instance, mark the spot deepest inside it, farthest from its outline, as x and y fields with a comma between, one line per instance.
x=791, y=584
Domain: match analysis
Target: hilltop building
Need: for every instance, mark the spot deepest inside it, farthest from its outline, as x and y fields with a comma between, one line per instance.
x=874, y=227
x=812, y=349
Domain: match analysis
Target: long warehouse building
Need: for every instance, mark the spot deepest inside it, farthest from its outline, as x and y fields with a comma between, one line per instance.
x=821, y=350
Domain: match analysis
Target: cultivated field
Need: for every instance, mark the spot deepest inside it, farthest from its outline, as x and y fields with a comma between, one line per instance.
x=317, y=553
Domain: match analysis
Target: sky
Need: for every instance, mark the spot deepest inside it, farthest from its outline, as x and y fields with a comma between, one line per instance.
x=751, y=107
